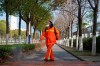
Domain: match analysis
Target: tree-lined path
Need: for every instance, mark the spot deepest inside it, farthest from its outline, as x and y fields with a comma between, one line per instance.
x=78, y=22
x=62, y=58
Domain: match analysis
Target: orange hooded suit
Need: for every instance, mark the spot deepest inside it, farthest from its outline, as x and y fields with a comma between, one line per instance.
x=50, y=34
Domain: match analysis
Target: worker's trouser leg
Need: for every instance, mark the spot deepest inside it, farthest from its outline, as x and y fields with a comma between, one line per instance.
x=49, y=53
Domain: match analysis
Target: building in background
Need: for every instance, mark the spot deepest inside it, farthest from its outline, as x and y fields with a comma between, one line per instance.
x=13, y=23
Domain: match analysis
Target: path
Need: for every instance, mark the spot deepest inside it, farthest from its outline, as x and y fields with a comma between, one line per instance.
x=59, y=53
x=62, y=58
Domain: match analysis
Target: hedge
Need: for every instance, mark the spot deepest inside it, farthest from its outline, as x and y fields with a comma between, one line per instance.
x=87, y=44
x=7, y=50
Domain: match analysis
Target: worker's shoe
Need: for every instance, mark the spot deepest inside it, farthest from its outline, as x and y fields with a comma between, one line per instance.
x=52, y=60
x=46, y=60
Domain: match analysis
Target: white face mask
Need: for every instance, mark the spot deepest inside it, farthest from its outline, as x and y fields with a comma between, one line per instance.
x=47, y=25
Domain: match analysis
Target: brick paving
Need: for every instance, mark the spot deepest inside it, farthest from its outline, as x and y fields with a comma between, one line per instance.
x=55, y=63
x=62, y=58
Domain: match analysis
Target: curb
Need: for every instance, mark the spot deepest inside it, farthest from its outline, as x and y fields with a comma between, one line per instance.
x=71, y=53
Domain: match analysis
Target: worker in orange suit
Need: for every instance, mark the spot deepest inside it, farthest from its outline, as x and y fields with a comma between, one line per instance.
x=51, y=34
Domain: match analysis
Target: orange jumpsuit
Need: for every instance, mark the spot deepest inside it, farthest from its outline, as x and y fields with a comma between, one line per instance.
x=50, y=36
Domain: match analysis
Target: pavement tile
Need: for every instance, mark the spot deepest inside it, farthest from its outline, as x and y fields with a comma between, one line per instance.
x=55, y=63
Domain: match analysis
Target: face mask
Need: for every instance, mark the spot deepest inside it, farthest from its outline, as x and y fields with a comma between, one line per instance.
x=47, y=25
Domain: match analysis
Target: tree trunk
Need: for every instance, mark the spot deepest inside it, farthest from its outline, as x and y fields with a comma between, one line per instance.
x=0, y=39
x=7, y=26
x=80, y=29
x=27, y=30
x=34, y=32
x=77, y=39
x=40, y=33
x=95, y=11
x=94, y=32
x=19, y=32
x=84, y=31
x=68, y=37
x=71, y=36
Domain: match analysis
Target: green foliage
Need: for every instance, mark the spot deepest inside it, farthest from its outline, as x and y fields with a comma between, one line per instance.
x=84, y=24
x=24, y=47
x=41, y=26
x=38, y=10
x=2, y=27
x=14, y=33
x=9, y=6
x=6, y=50
x=87, y=44
x=28, y=47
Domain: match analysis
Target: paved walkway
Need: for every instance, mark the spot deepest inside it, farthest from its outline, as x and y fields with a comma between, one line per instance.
x=62, y=58
x=60, y=54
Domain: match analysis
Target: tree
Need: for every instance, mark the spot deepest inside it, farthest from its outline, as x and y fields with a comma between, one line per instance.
x=32, y=10
x=94, y=5
x=19, y=9
x=89, y=18
x=2, y=27
x=15, y=36
x=81, y=13
x=12, y=32
x=8, y=8
x=68, y=10
x=72, y=17
x=84, y=27
x=43, y=15
x=61, y=24
x=77, y=36
x=41, y=27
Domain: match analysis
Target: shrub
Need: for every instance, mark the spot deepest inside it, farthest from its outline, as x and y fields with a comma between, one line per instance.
x=74, y=42
x=28, y=47
x=98, y=44
x=7, y=50
x=87, y=44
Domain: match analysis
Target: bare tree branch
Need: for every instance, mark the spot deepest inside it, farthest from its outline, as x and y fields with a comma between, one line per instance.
x=69, y=12
x=83, y=11
x=78, y=2
x=91, y=4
